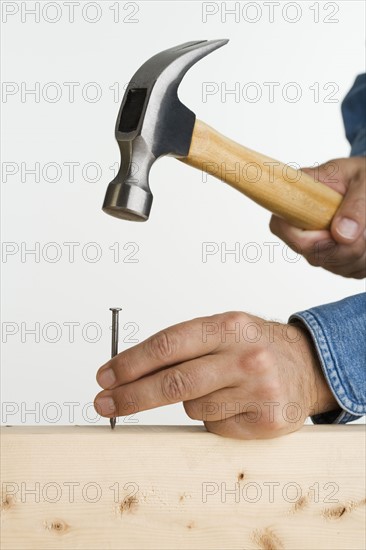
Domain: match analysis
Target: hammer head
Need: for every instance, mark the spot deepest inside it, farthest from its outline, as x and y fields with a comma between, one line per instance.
x=152, y=122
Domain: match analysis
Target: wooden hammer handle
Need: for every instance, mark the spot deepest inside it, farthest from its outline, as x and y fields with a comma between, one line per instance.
x=285, y=191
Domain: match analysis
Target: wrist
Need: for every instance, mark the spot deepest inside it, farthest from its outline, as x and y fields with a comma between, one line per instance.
x=320, y=396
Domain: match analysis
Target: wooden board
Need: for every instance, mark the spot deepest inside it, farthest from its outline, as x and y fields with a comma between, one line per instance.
x=164, y=487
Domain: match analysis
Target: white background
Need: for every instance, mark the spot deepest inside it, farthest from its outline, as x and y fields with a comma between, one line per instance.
x=170, y=282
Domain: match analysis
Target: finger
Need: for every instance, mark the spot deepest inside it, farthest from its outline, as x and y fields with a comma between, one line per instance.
x=300, y=240
x=349, y=222
x=243, y=426
x=238, y=427
x=189, y=380
x=342, y=259
x=321, y=250
x=245, y=397
x=173, y=345
x=214, y=406
x=334, y=173
x=342, y=175
x=219, y=405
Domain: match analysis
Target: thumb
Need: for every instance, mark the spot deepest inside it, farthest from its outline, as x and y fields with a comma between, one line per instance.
x=349, y=221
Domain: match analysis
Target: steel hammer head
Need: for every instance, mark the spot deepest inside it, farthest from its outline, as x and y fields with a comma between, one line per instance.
x=152, y=122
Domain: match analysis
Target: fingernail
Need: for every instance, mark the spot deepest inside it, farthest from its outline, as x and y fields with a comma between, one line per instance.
x=105, y=406
x=106, y=378
x=347, y=228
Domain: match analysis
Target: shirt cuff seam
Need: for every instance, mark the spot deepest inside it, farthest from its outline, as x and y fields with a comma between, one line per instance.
x=328, y=364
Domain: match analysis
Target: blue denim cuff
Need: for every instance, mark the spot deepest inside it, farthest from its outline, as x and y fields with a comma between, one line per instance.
x=331, y=373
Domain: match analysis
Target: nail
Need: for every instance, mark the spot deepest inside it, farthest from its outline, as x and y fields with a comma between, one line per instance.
x=114, y=350
x=106, y=378
x=105, y=406
x=347, y=228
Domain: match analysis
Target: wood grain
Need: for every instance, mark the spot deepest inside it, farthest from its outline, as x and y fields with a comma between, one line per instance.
x=285, y=191
x=148, y=487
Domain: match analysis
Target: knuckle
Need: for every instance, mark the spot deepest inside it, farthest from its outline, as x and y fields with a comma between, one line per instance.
x=161, y=345
x=258, y=362
x=273, y=426
x=126, y=403
x=313, y=260
x=176, y=385
x=213, y=427
x=193, y=410
x=124, y=368
x=234, y=317
x=327, y=258
x=274, y=226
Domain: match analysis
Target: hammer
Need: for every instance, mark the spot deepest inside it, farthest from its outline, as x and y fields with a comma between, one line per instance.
x=153, y=122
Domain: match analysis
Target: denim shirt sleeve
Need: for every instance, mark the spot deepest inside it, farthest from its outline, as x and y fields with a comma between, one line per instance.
x=354, y=116
x=338, y=332
x=338, y=329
